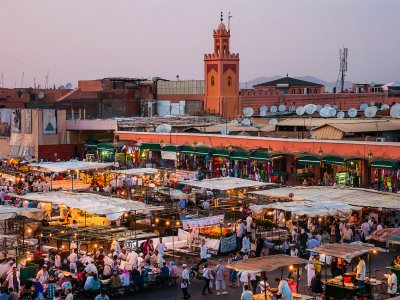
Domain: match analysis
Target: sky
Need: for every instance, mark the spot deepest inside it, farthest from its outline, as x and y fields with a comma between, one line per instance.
x=91, y=39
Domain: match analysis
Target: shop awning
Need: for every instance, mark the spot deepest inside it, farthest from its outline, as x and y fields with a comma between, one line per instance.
x=69, y=165
x=186, y=149
x=91, y=146
x=260, y=156
x=149, y=146
x=203, y=151
x=239, y=155
x=225, y=183
x=333, y=160
x=309, y=160
x=221, y=152
x=170, y=148
x=105, y=147
x=382, y=164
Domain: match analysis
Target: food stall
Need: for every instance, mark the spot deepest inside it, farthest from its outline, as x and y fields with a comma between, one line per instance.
x=263, y=265
x=345, y=285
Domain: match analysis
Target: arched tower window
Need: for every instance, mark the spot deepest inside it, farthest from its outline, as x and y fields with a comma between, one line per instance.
x=212, y=80
x=229, y=81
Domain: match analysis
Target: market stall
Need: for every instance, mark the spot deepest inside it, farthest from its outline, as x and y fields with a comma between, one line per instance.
x=345, y=284
x=263, y=265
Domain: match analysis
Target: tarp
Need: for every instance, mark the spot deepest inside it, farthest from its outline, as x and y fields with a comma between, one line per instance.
x=225, y=183
x=202, y=222
x=112, y=208
x=266, y=263
x=70, y=165
x=346, y=251
x=8, y=212
x=351, y=196
x=308, y=208
x=137, y=172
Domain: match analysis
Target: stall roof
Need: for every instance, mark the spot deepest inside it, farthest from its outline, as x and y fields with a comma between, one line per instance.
x=391, y=235
x=309, y=208
x=266, y=263
x=70, y=165
x=351, y=196
x=137, y=172
x=8, y=212
x=346, y=251
x=225, y=183
x=112, y=208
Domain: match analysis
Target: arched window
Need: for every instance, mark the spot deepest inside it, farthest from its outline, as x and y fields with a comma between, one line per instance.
x=229, y=81
x=212, y=80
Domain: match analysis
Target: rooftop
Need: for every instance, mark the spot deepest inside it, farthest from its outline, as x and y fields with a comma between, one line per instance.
x=289, y=81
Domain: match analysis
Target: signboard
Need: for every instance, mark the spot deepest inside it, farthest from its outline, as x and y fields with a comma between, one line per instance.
x=16, y=120
x=5, y=123
x=130, y=245
x=27, y=121
x=168, y=155
x=49, y=121
x=203, y=222
x=228, y=244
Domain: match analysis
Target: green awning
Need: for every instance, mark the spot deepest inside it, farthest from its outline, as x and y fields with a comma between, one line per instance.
x=203, y=151
x=381, y=164
x=150, y=146
x=221, y=152
x=91, y=146
x=170, y=148
x=239, y=155
x=105, y=146
x=186, y=149
x=333, y=160
x=260, y=156
x=309, y=160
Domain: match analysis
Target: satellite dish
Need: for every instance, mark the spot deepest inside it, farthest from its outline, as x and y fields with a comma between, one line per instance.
x=61, y=87
x=395, y=111
x=273, y=122
x=335, y=107
x=281, y=108
x=264, y=108
x=225, y=131
x=41, y=95
x=273, y=109
x=234, y=122
x=352, y=112
x=248, y=112
x=292, y=108
x=331, y=111
x=370, y=112
x=246, y=122
x=324, y=112
x=163, y=128
x=340, y=115
x=300, y=111
x=68, y=85
x=372, y=103
x=310, y=109
x=319, y=107
x=385, y=107
x=263, y=113
x=327, y=105
x=363, y=106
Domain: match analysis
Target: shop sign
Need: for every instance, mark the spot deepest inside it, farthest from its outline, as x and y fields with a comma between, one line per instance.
x=228, y=244
x=130, y=245
x=168, y=155
x=203, y=222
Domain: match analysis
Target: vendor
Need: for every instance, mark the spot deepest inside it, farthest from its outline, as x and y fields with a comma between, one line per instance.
x=284, y=289
x=391, y=282
x=360, y=273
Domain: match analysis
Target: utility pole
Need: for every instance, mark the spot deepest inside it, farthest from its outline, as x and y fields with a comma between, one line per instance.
x=343, y=55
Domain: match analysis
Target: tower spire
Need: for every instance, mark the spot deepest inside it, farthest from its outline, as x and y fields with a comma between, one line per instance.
x=222, y=17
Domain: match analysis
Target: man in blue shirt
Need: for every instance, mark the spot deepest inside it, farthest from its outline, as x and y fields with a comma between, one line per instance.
x=164, y=271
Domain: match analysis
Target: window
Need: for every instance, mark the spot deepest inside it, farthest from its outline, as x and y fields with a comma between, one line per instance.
x=212, y=80
x=229, y=81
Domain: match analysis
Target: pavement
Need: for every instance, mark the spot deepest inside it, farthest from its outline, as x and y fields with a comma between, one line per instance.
x=379, y=262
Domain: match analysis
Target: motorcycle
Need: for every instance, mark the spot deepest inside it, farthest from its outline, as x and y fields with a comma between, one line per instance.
x=195, y=273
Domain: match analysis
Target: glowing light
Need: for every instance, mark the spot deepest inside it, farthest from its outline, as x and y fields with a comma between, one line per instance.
x=125, y=215
x=283, y=220
x=233, y=209
x=291, y=267
x=320, y=219
x=29, y=230
x=167, y=223
x=270, y=213
x=62, y=247
x=297, y=217
x=178, y=223
x=374, y=251
x=95, y=245
x=157, y=220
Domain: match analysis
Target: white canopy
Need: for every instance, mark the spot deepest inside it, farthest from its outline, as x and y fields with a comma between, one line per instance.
x=225, y=183
x=137, y=172
x=393, y=84
x=8, y=212
x=112, y=208
x=70, y=165
x=308, y=208
x=350, y=196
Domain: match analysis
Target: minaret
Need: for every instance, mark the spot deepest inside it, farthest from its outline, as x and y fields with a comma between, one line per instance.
x=221, y=76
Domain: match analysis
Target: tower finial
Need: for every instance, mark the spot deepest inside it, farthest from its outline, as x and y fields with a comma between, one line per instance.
x=222, y=17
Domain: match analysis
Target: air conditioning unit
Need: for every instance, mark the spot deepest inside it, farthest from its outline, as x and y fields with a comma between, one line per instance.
x=380, y=140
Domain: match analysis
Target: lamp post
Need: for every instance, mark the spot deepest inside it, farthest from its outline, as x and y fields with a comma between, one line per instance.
x=370, y=155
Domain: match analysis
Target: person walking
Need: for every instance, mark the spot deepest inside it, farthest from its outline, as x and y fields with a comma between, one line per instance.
x=203, y=252
x=185, y=282
x=220, y=278
x=207, y=279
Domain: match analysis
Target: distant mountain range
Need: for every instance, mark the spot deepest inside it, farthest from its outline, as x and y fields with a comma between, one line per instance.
x=328, y=84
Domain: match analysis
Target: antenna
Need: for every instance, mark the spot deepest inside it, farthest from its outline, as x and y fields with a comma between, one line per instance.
x=2, y=80
x=22, y=80
x=343, y=55
x=222, y=17
x=47, y=80
x=229, y=21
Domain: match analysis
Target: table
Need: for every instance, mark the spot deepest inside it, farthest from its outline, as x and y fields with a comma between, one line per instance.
x=262, y=297
x=340, y=291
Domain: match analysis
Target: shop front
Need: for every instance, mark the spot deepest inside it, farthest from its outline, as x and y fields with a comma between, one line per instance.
x=384, y=175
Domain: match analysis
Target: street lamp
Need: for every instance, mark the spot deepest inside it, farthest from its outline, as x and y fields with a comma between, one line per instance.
x=370, y=155
x=320, y=151
x=269, y=150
